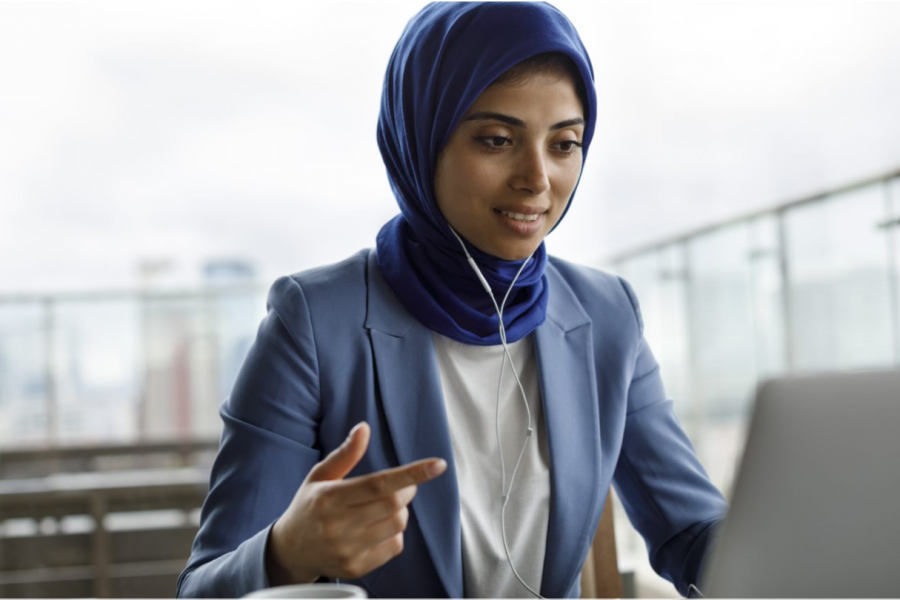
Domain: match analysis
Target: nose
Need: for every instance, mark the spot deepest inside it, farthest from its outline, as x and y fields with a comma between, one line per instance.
x=531, y=173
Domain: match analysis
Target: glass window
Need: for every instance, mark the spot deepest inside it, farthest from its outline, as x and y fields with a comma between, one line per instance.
x=767, y=297
x=840, y=313
x=893, y=232
x=23, y=374
x=723, y=349
x=110, y=368
x=95, y=369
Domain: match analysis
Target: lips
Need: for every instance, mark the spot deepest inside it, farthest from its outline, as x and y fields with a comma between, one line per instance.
x=520, y=216
x=522, y=223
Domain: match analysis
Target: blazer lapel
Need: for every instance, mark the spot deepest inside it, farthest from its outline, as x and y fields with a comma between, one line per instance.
x=409, y=382
x=410, y=386
x=566, y=366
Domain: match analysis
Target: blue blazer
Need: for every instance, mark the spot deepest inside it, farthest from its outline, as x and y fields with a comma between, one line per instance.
x=337, y=348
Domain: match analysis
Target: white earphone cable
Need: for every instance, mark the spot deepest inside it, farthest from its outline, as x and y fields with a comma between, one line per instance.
x=506, y=356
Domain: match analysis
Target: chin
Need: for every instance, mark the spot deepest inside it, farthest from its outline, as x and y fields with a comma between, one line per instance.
x=514, y=254
x=507, y=249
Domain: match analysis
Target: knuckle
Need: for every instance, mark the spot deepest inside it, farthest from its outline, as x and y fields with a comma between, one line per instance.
x=346, y=555
x=394, y=502
x=397, y=544
x=378, y=485
x=412, y=493
x=403, y=518
x=351, y=569
x=398, y=522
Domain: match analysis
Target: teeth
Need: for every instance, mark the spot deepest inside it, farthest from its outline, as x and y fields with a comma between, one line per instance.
x=520, y=216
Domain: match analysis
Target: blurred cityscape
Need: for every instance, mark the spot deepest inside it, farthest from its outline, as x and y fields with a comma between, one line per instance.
x=126, y=366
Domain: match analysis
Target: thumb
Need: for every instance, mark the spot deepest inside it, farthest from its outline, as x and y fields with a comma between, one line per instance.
x=343, y=458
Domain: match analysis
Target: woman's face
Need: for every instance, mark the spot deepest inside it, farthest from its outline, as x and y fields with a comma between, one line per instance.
x=505, y=176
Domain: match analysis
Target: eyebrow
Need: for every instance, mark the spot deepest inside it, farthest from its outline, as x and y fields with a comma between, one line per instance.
x=492, y=116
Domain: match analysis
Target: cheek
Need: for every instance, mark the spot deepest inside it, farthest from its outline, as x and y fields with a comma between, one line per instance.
x=564, y=185
x=571, y=172
x=575, y=172
x=472, y=181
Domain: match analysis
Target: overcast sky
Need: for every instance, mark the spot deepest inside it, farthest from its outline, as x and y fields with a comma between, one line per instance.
x=192, y=130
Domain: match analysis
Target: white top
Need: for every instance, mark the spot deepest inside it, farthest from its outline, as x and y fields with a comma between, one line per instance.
x=469, y=377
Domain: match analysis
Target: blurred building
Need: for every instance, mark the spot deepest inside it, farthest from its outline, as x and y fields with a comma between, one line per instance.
x=194, y=344
x=152, y=363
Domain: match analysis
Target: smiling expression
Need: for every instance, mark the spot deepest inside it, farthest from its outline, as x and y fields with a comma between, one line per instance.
x=505, y=176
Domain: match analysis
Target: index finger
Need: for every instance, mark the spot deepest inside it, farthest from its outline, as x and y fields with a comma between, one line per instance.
x=374, y=486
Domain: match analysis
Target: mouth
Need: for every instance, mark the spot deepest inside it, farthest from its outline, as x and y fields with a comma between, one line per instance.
x=525, y=214
x=522, y=221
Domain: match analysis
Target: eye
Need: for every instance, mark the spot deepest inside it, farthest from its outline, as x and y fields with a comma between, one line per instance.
x=568, y=146
x=493, y=142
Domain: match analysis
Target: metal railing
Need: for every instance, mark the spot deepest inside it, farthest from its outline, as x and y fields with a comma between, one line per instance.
x=781, y=254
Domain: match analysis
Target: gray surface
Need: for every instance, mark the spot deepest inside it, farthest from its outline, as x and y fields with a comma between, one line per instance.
x=815, y=506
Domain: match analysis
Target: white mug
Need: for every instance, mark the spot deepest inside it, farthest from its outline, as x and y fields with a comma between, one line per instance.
x=311, y=590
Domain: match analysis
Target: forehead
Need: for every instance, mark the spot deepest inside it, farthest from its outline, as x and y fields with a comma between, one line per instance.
x=541, y=96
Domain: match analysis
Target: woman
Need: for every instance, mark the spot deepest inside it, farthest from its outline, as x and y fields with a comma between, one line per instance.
x=487, y=115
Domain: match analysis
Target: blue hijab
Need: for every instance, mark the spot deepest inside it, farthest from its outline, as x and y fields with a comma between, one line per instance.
x=448, y=54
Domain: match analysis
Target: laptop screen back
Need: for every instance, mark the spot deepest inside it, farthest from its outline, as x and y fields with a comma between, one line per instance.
x=816, y=505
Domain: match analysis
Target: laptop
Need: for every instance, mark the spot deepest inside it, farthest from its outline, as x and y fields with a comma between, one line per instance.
x=815, y=509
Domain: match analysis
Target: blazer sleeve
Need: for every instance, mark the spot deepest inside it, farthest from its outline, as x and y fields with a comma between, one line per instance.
x=666, y=492
x=268, y=446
